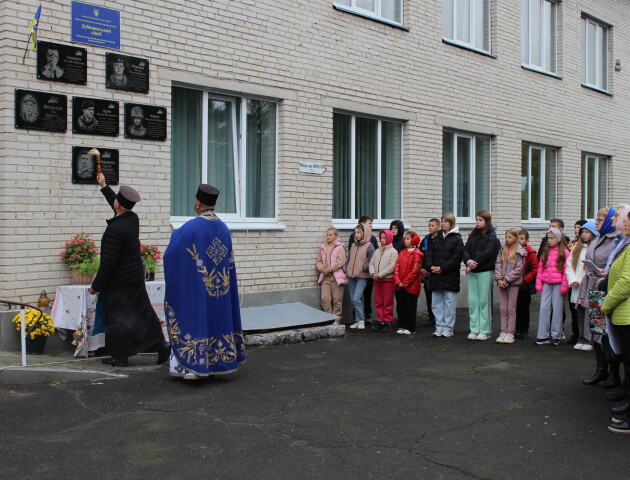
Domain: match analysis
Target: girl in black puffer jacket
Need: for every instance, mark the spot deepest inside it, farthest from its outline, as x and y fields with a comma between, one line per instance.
x=443, y=262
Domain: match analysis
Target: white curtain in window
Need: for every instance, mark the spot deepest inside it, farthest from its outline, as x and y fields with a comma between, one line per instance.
x=392, y=10
x=550, y=182
x=366, y=167
x=185, y=149
x=221, y=154
x=482, y=173
x=391, y=154
x=448, y=178
x=342, y=160
x=525, y=182
x=261, y=159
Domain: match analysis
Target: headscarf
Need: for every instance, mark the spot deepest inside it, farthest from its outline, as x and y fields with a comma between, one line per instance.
x=607, y=226
x=398, y=242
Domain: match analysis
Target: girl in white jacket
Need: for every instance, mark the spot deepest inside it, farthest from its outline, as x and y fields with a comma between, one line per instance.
x=575, y=272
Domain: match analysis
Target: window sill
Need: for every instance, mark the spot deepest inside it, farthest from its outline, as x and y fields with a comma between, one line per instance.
x=236, y=225
x=596, y=89
x=468, y=47
x=538, y=70
x=535, y=224
x=344, y=224
x=349, y=10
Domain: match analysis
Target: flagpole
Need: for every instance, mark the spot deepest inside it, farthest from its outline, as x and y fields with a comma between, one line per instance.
x=28, y=42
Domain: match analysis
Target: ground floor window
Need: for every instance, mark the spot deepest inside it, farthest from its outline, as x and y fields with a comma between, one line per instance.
x=538, y=182
x=229, y=142
x=594, y=184
x=367, y=163
x=465, y=174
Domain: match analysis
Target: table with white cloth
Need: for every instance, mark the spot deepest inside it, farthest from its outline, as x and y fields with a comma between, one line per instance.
x=75, y=309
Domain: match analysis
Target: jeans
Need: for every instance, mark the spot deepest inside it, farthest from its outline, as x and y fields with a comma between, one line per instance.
x=444, y=303
x=551, y=312
x=356, y=286
x=478, y=294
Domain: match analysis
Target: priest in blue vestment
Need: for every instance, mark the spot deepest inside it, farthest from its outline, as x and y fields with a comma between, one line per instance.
x=201, y=299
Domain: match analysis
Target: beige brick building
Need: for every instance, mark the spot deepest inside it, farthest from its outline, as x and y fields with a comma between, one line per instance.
x=413, y=108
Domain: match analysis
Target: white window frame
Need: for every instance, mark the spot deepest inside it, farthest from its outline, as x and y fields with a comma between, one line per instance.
x=351, y=5
x=348, y=223
x=238, y=220
x=526, y=11
x=543, y=176
x=450, y=24
x=472, y=201
x=601, y=64
x=597, y=159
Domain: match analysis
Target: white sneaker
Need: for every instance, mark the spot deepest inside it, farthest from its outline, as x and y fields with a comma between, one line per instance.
x=403, y=331
x=578, y=346
x=587, y=347
x=501, y=338
x=483, y=336
x=356, y=325
x=447, y=333
x=438, y=332
x=361, y=326
x=509, y=338
x=472, y=336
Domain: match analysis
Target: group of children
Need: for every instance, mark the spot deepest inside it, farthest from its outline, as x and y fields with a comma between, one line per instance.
x=397, y=264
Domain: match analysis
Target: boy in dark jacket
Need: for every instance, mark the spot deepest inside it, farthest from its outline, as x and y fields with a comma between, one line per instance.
x=425, y=246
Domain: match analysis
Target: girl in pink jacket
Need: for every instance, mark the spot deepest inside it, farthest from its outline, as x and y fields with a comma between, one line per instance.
x=551, y=280
x=331, y=257
x=382, y=273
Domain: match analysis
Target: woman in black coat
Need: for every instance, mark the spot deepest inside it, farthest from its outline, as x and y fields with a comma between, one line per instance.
x=480, y=253
x=444, y=259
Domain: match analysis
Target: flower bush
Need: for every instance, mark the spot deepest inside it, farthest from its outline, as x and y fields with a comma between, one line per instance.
x=151, y=255
x=38, y=324
x=79, y=249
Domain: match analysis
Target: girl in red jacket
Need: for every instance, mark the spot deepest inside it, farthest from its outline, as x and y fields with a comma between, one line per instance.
x=408, y=284
x=552, y=282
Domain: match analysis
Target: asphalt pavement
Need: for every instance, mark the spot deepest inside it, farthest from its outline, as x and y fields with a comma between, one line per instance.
x=367, y=405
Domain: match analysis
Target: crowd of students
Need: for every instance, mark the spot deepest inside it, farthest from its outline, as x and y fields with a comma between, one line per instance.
x=396, y=264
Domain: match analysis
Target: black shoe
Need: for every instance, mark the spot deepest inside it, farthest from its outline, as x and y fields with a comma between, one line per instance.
x=572, y=340
x=387, y=327
x=621, y=407
x=429, y=323
x=600, y=376
x=554, y=342
x=163, y=353
x=619, y=426
x=616, y=395
x=542, y=341
x=377, y=326
x=115, y=362
x=612, y=381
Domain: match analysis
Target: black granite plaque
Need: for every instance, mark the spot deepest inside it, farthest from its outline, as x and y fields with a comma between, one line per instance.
x=95, y=117
x=84, y=165
x=41, y=111
x=145, y=122
x=61, y=63
x=126, y=73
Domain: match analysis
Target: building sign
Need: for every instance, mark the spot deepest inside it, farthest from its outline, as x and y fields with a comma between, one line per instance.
x=61, y=63
x=41, y=111
x=93, y=116
x=126, y=73
x=314, y=168
x=84, y=165
x=145, y=122
x=95, y=25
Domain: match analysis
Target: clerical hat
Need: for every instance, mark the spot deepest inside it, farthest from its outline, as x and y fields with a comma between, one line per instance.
x=207, y=194
x=127, y=197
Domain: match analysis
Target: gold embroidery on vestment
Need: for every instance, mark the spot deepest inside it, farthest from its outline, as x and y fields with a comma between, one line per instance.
x=217, y=282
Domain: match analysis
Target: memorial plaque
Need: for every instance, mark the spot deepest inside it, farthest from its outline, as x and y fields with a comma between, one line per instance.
x=95, y=117
x=41, y=111
x=61, y=63
x=145, y=122
x=127, y=73
x=84, y=165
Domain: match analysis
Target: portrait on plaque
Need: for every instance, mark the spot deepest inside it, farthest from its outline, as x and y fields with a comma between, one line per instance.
x=84, y=166
x=41, y=111
x=94, y=116
x=146, y=122
x=61, y=63
x=126, y=73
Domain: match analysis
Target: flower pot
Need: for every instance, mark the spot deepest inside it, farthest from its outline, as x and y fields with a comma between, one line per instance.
x=36, y=345
x=81, y=279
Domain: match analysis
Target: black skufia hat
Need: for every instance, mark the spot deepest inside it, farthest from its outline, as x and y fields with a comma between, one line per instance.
x=207, y=194
x=127, y=197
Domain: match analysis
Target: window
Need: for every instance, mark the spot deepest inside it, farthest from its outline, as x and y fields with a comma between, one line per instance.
x=594, y=184
x=594, y=54
x=467, y=22
x=465, y=175
x=229, y=142
x=390, y=10
x=539, y=34
x=538, y=182
x=367, y=163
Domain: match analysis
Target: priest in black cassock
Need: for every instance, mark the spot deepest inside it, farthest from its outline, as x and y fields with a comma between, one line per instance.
x=201, y=299
x=132, y=326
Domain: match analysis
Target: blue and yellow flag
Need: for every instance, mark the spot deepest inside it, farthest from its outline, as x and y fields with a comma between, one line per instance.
x=34, y=25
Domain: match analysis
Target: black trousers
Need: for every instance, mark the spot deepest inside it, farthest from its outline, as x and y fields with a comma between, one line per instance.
x=429, y=296
x=523, y=302
x=367, y=300
x=406, y=305
x=622, y=332
x=574, y=317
